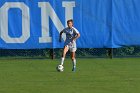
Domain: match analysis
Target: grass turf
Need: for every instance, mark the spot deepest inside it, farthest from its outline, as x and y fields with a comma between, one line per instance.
x=92, y=76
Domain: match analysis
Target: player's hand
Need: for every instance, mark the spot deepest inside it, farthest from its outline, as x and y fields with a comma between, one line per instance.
x=73, y=39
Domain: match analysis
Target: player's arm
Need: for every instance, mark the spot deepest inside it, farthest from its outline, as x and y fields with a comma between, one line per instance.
x=60, y=35
x=77, y=36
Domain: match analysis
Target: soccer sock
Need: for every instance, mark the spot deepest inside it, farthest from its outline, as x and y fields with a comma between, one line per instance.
x=74, y=62
x=62, y=61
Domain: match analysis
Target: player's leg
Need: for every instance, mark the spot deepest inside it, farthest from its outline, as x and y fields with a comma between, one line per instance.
x=65, y=50
x=73, y=61
x=73, y=50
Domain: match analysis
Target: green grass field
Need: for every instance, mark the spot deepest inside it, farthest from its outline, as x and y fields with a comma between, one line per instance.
x=92, y=76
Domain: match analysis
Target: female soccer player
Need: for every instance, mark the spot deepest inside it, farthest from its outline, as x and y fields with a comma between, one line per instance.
x=70, y=43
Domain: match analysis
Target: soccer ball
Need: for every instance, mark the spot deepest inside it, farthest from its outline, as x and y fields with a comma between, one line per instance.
x=60, y=68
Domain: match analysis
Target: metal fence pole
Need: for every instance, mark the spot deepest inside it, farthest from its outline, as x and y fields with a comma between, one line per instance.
x=110, y=53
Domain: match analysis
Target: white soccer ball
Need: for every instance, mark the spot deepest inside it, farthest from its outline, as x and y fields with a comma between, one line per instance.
x=60, y=68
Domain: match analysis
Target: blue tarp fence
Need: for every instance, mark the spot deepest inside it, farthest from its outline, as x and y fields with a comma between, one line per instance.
x=31, y=24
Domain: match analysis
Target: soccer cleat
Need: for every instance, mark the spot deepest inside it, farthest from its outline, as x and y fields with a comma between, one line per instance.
x=74, y=69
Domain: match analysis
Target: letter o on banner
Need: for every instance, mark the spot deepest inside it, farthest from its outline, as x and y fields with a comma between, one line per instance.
x=4, y=22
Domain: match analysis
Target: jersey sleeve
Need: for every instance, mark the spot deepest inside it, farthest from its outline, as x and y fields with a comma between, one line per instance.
x=64, y=30
x=75, y=30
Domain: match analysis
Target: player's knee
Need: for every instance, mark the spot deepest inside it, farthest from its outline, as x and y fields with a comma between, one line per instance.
x=73, y=58
x=63, y=55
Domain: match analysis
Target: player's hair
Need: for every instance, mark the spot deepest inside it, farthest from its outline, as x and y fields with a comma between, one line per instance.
x=70, y=20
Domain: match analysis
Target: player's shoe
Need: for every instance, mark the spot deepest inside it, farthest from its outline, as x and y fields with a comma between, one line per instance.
x=74, y=69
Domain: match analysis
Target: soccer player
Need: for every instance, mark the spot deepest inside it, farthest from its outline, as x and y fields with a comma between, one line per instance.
x=72, y=34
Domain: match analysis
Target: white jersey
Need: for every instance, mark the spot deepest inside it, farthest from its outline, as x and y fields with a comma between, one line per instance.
x=70, y=34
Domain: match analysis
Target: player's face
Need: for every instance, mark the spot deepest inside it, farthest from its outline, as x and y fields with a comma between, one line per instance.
x=70, y=24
